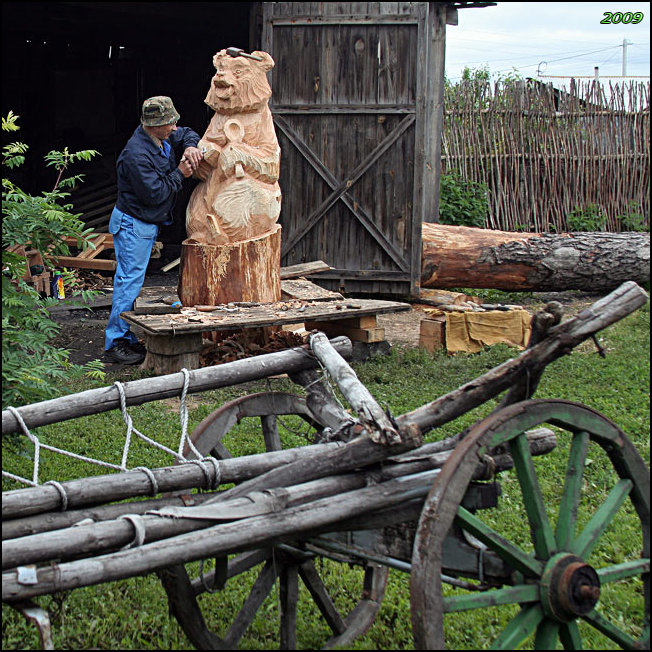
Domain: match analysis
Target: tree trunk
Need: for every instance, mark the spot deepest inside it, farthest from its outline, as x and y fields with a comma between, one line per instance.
x=458, y=256
x=249, y=270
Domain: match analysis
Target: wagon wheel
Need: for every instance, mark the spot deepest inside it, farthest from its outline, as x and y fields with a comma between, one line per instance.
x=284, y=562
x=569, y=576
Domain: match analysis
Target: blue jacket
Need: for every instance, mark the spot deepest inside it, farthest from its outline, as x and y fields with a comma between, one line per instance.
x=148, y=180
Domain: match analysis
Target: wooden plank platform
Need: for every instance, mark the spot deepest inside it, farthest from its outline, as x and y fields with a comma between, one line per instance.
x=174, y=336
x=190, y=320
x=151, y=300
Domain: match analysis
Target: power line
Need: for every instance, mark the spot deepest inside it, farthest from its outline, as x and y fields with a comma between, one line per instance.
x=613, y=47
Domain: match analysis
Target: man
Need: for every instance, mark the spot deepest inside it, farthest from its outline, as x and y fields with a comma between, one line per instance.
x=148, y=182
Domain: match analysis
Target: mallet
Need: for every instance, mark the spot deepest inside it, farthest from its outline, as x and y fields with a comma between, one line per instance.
x=239, y=52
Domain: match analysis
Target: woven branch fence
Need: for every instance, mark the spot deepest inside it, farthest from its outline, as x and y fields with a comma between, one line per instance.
x=544, y=152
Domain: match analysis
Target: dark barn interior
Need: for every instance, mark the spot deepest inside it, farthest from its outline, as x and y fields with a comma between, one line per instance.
x=77, y=73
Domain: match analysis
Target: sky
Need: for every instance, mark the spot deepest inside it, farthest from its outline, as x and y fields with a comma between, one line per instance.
x=550, y=41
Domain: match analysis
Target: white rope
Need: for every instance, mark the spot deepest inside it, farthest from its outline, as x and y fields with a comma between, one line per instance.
x=183, y=414
x=18, y=478
x=130, y=429
x=151, y=476
x=212, y=479
x=38, y=446
x=185, y=439
x=218, y=473
x=33, y=439
x=62, y=493
x=204, y=469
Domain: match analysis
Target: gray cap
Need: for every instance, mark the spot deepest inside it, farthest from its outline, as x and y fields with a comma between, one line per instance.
x=158, y=111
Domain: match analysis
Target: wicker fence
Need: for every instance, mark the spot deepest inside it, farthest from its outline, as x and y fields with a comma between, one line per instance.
x=544, y=153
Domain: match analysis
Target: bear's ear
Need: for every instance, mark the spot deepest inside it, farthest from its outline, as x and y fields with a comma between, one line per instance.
x=267, y=62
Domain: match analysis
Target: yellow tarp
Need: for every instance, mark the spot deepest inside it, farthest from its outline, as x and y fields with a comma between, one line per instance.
x=473, y=331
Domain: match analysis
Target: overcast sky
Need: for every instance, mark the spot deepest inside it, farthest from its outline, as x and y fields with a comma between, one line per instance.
x=549, y=38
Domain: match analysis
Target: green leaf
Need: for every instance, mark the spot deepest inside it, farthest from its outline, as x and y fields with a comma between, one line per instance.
x=32, y=368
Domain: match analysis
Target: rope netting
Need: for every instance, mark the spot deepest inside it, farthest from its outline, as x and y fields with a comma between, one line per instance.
x=178, y=455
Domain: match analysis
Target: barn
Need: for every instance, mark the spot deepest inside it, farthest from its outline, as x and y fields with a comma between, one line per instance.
x=357, y=106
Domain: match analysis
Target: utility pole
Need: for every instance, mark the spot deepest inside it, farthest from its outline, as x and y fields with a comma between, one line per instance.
x=625, y=44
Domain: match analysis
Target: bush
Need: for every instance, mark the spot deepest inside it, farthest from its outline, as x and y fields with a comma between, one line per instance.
x=462, y=202
x=588, y=218
x=32, y=369
x=634, y=220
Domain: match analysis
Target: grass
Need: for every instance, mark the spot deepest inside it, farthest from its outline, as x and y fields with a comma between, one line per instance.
x=133, y=613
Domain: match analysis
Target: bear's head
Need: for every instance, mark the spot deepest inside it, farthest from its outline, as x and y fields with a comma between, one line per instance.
x=239, y=84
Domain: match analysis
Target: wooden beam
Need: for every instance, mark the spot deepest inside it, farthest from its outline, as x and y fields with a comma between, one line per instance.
x=303, y=269
x=81, y=263
x=292, y=271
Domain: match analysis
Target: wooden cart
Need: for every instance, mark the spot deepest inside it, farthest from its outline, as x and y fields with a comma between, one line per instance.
x=367, y=492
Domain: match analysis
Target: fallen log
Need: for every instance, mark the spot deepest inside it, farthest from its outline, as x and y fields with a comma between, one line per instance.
x=459, y=256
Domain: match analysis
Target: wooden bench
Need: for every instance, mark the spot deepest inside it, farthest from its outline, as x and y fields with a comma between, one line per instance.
x=174, y=336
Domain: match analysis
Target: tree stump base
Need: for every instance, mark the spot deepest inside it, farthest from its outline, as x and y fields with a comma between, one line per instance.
x=249, y=270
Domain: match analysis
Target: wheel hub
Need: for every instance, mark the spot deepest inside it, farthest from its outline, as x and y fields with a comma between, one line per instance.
x=569, y=588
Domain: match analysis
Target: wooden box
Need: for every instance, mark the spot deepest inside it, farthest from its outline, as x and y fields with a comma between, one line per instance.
x=432, y=334
x=358, y=329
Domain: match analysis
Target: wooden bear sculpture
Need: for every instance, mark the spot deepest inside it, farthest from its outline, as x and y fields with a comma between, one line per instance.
x=233, y=248
x=238, y=197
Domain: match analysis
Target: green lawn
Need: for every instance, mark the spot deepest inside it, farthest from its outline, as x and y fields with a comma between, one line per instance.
x=133, y=613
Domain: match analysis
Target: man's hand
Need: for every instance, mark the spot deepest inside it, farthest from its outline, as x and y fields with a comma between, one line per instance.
x=194, y=156
x=185, y=167
x=210, y=152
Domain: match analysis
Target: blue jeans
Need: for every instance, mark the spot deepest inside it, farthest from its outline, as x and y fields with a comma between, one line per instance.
x=132, y=241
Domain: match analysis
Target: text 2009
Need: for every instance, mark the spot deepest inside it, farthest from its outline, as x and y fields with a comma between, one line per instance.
x=613, y=18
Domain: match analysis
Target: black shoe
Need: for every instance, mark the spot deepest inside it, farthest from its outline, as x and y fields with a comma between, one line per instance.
x=137, y=347
x=122, y=354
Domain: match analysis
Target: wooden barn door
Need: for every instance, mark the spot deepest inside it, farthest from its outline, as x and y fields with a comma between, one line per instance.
x=350, y=92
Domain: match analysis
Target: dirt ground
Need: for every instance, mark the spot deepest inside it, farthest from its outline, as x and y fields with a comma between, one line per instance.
x=82, y=329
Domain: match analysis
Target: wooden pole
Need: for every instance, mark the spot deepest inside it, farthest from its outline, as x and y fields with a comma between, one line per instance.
x=118, y=486
x=113, y=534
x=137, y=392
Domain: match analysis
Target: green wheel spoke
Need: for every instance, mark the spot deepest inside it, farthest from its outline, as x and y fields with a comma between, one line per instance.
x=569, y=634
x=505, y=549
x=623, y=571
x=570, y=501
x=547, y=633
x=595, y=528
x=545, y=583
x=610, y=631
x=492, y=598
x=519, y=628
x=542, y=536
